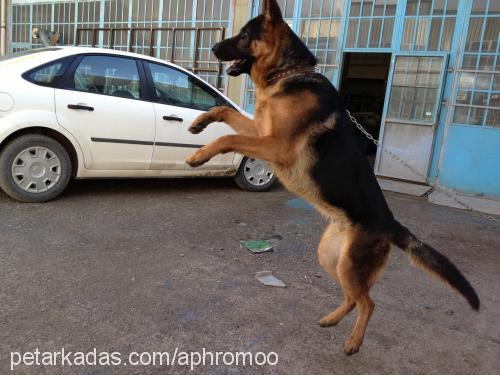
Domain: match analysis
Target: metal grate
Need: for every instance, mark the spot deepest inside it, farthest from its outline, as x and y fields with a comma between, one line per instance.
x=184, y=29
x=192, y=63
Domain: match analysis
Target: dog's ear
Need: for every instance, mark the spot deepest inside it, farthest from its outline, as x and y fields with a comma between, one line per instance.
x=271, y=11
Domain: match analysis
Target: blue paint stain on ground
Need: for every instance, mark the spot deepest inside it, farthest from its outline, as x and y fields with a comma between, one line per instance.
x=188, y=316
x=300, y=204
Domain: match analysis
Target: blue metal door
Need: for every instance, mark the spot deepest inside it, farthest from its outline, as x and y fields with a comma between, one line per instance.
x=411, y=114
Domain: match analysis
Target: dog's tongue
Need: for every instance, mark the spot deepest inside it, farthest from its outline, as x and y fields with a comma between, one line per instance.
x=233, y=68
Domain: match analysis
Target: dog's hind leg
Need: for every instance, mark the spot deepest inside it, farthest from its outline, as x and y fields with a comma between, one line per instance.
x=336, y=316
x=360, y=262
x=328, y=253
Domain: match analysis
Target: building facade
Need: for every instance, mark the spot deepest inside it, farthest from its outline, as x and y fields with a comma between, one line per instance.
x=422, y=75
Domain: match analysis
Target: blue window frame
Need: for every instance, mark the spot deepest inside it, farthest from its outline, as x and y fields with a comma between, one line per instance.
x=477, y=100
x=371, y=23
x=429, y=25
x=318, y=23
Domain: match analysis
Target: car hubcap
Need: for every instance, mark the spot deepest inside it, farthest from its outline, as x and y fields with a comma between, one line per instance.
x=36, y=169
x=257, y=172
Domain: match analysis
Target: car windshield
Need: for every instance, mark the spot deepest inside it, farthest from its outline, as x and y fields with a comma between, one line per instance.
x=27, y=53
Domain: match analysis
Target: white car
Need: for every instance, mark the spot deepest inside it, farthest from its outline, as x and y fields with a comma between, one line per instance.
x=94, y=113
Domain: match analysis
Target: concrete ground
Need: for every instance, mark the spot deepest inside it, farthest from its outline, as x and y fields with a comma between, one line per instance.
x=153, y=265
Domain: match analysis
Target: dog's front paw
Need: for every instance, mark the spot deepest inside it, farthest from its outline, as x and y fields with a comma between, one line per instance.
x=197, y=159
x=200, y=123
x=352, y=346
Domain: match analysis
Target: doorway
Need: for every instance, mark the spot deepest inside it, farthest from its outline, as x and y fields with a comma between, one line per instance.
x=363, y=88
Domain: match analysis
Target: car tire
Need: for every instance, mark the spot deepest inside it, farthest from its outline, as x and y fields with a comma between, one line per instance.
x=255, y=175
x=34, y=168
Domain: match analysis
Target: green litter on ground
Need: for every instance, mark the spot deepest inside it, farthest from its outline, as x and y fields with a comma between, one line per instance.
x=257, y=246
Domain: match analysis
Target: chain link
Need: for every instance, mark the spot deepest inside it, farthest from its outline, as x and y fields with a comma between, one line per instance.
x=448, y=192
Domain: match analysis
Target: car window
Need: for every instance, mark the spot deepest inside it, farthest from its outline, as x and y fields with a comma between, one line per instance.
x=176, y=88
x=108, y=75
x=48, y=74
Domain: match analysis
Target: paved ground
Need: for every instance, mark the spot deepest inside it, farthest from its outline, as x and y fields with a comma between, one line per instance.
x=153, y=265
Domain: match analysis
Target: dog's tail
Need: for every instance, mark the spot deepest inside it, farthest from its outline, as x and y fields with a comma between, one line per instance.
x=430, y=260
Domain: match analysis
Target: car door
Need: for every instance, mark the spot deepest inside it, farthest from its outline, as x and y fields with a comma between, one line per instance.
x=100, y=103
x=179, y=99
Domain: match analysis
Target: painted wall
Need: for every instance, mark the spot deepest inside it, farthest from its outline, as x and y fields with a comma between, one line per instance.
x=471, y=160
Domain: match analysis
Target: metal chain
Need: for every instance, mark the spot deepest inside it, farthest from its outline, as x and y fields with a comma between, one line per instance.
x=448, y=192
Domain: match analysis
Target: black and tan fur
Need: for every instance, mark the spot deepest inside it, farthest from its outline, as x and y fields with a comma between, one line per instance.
x=302, y=130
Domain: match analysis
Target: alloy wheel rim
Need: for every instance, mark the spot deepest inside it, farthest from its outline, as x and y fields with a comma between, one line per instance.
x=36, y=170
x=257, y=172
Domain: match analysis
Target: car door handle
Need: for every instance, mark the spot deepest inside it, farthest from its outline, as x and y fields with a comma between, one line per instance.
x=173, y=118
x=81, y=107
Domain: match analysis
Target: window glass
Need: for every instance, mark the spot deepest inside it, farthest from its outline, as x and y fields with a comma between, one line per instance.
x=376, y=31
x=108, y=75
x=479, y=6
x=415, y=88
x=474, y=37
x=411, y=7
x=179, y=89
x=448, y=30
x=390, y=7
x=425, y=7
x=379, y=8
x=461, y=115
x=490, y=35
x=387, y=34
x=493, y=118
x=438, y=7
x=435, y=34
x=451, y=7
x=355, y=8
x=46, y=74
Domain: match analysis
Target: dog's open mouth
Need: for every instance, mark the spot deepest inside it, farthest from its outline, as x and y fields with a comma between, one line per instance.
x=236, y=67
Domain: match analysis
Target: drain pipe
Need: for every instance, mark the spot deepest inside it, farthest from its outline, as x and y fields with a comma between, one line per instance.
x=3, y=27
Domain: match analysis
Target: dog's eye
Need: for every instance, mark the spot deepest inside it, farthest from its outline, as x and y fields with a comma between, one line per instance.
x=244, y=36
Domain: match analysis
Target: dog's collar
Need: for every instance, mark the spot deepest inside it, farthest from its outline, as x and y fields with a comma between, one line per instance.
x=271, y=80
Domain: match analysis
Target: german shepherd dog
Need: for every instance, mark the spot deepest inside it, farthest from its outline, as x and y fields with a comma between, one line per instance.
x=301, y=128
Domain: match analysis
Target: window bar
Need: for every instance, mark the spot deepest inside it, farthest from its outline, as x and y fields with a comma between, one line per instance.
x=318, y=36
x=358, y=26
x=31, y=25
x=371, y=25
x=144, y=23
x=159, y=33
x=327, y=47
x=310, y=22
x=52, y=13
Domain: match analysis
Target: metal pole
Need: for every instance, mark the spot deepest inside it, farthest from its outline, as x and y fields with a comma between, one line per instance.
x=3, y=27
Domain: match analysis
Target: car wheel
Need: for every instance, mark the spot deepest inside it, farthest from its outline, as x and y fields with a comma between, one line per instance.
x=34, y=168
x=255, y=175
